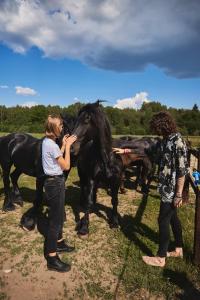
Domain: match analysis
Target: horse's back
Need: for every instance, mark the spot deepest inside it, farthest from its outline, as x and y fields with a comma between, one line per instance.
x=22, y=150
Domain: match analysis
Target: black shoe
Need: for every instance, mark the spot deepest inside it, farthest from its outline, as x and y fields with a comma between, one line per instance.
x=63, y=247
x=55, y=264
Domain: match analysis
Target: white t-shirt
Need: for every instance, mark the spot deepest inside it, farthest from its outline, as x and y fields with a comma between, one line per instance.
x=51, y=151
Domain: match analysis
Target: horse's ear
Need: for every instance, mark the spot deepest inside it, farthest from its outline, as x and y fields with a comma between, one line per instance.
x=62, y=116
x=99, y=101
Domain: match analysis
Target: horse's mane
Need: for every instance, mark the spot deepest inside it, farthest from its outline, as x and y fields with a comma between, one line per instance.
x=100, y=120
x=104, y=139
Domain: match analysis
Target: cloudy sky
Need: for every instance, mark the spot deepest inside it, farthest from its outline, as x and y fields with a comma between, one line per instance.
x=125, y=52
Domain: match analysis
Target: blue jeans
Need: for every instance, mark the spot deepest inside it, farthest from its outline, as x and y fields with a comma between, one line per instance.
x=168, y=216
x=55, y=196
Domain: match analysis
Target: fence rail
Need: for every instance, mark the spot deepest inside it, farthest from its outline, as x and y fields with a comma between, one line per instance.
x=190, y=182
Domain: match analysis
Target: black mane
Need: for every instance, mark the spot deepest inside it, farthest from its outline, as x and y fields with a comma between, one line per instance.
x=99, y=119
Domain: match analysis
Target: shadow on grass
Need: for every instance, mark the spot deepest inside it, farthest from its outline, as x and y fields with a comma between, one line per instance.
x=180, y=279
x=72, y=198
x=28, y=194
x=132, y=227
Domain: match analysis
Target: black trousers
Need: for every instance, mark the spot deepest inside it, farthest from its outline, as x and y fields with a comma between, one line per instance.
x=168, y=216
x=55, y=195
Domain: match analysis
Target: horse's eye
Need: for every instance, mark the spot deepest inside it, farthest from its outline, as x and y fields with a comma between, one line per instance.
x=87, y=119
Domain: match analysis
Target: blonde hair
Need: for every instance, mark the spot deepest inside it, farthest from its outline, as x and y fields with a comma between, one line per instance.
x=51, y=126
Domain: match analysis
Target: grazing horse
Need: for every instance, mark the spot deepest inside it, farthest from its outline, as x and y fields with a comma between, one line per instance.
x=25, y=153
x=144, y=155
x=96, y=161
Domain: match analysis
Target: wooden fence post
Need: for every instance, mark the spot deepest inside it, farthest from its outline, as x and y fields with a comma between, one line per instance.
x=197, y=221
x=197, y=230
x=186, y=187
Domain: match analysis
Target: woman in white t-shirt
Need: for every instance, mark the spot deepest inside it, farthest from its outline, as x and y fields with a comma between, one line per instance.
x=53, y=164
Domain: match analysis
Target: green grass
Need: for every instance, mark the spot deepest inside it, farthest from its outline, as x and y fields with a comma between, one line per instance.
x=108, y=253
x=195, y=140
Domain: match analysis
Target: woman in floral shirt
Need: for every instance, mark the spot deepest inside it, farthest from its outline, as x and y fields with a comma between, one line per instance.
x=173, y=168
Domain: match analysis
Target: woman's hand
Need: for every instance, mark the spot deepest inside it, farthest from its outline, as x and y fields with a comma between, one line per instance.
x=178, y=201
x=70, y=140
x=64, y=140
x=121, y=151
x=118, y=150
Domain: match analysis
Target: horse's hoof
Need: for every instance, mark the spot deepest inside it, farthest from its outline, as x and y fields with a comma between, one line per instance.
x=83, y=236
x=18, y=203
x=114, y=225
x=25, y=229
x=123, y=191
x=8, y=208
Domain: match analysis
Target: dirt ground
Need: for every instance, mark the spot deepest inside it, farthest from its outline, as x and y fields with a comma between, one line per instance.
x=24, y=274
x=95, y=265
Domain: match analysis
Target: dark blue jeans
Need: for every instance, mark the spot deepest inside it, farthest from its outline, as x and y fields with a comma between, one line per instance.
x=168, y=216
x=55, y=196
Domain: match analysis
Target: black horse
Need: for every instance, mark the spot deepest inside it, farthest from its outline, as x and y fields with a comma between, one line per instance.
x=96, y=161
x=144, y=155
x=24, y=152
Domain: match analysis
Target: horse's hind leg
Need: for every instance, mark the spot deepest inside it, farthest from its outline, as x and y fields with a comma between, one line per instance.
x=8, y=202
x=114, y=189
x=29, y=218
x=122, y=187
x=16, y=193
x=146, y=174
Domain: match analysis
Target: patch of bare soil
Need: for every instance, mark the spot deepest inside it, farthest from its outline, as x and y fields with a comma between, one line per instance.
x=24, y=274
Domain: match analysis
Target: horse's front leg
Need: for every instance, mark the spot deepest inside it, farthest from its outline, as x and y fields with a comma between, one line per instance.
x=17, y=198
x=87, y=193
x=114, y=223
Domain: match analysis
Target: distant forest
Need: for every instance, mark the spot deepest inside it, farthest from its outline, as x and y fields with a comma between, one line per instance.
x=126, y=121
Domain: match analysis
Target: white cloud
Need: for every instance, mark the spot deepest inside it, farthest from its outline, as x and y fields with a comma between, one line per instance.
x=4, y=86
x=110, y=34
x=25, y=91
x=133, y=102
x=29, y=104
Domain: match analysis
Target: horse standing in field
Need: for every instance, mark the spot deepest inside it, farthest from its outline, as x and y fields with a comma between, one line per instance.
x=96, y=161
x=145, y=153
x=25, y=153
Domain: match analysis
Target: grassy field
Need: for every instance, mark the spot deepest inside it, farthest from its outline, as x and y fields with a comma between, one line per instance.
x=195, y=140
x=106, y=266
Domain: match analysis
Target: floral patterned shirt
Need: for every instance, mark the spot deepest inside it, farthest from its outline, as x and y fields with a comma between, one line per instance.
x=173, y=164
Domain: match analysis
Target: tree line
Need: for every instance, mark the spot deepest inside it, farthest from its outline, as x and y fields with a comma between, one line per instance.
x=123, y=122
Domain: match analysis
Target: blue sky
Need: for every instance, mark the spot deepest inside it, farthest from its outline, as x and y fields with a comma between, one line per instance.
x=56, y=52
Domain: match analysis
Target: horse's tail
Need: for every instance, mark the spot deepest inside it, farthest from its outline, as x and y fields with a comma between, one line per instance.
x=1, y=153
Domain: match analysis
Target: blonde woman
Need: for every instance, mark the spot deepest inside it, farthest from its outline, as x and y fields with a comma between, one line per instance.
x=54, y=164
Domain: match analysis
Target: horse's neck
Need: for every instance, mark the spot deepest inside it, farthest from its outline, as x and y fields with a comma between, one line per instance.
x=102, y=147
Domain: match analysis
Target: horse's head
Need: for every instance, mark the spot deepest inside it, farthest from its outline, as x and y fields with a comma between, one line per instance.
x=91, y=124
x=68, y=123
x=68, y=126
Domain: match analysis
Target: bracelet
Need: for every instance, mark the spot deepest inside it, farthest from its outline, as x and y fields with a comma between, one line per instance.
x=127, y=151
x=178, y=196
